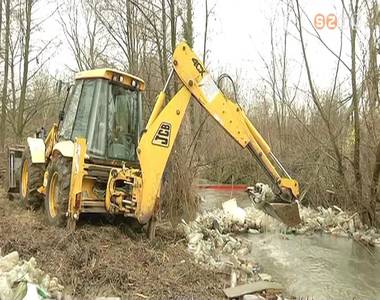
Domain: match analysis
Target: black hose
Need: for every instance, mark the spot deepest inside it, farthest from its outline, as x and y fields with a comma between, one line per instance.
x=195, y=138
x=225, y=75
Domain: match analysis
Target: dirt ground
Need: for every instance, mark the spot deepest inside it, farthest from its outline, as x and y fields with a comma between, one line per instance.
x=100, y=259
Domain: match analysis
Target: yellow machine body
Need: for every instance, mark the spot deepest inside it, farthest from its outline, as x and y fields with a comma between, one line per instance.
x=133, y=189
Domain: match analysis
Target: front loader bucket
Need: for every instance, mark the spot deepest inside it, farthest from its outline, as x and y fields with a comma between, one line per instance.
x=286, y=213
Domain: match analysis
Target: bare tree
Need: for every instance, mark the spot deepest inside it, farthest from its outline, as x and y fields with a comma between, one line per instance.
x=1, y=21
x=372, y=80
x=4, y=95
x=123, y=23
x=25, y=60
x=352, y=14
x=207, y=15
x=187, y=23
x=318, y=104
x=26, y=33
x=84, y=35
x=164, y=54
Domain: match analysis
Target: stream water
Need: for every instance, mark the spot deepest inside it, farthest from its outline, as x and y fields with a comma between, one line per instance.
x=316, y=266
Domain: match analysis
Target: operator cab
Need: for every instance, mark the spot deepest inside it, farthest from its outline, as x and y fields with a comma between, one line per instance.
x=104, y=106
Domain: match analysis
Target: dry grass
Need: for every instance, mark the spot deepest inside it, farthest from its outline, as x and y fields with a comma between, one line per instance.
x=178, y=198
x=100, y=259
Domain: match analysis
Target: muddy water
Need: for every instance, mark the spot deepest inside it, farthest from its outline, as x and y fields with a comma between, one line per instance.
x=315, y=266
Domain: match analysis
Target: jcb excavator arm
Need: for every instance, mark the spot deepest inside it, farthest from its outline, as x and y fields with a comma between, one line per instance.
x=162, y=128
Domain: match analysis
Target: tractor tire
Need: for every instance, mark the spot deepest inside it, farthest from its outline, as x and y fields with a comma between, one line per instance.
x=31, y=178
x=58, y=191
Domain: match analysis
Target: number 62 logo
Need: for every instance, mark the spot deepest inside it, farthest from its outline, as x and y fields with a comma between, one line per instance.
x=321, y=21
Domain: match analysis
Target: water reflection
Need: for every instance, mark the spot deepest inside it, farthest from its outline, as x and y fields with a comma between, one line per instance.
x=319, y=266
x=212, y=199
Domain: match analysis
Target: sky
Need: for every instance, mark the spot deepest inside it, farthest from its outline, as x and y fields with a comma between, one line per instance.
x=239, y=40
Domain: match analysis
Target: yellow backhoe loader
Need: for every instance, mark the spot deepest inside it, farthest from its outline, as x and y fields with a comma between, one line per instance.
x=100, y=159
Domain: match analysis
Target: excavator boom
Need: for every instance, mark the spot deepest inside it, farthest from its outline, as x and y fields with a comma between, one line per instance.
x=88, y=164
x=162, y=129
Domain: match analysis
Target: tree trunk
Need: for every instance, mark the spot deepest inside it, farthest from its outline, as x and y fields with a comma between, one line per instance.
x=20, y=116
x=374, y=187
x=372, y=79
x=1, y=21
x=173, y=34
x=131, y=38
x=273, y=83
x=337, y=153
x=205, y=35
x=355, y=105
x=372, y=83
x=164, y=46
x=6, y=70
x=188, y=24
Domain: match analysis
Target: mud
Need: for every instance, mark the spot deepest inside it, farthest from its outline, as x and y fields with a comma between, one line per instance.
x=101, y=259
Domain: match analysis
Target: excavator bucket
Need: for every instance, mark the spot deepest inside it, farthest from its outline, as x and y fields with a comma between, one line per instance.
x=264, y=199
x=286, y=213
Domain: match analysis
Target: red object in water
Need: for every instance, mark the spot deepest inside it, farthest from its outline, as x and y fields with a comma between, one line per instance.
x=228, y=187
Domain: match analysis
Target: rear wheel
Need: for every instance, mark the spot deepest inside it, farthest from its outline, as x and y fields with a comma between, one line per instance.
x=58, y=191
x=31, y=178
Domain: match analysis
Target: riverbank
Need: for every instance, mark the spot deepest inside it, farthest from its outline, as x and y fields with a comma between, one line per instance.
x=219, y=238
x=100, y=259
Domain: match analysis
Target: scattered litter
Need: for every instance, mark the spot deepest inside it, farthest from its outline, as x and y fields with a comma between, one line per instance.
x=236, y=213
x=265, y=277
x=22, y=280
x=213, y=242
x=335, y=221
x=253, y=297
x=249, y=288
x=214, y=248
x=233, y=280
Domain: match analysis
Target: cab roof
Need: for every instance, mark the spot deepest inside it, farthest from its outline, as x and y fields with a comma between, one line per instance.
x=114, y=75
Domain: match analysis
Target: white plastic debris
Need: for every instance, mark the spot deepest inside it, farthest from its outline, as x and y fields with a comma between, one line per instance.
x=233, y=279
x=337, y=222
x=332, y=220
x=253, y=297
x=21, y=279
x=236, y=213
x=265, y=276
x=8, y=261
x=211, y=242
x=260, y=194
x=5, y=289
x=31, y=292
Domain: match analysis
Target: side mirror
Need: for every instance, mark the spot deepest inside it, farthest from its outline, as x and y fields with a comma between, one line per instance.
x=61, y=115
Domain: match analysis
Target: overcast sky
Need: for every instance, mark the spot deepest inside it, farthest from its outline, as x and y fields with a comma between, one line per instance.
x=239, y=39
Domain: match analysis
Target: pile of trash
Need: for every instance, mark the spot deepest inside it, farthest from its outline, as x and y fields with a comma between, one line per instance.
x=213, y=242
x=335, y=221
x=22, y=280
